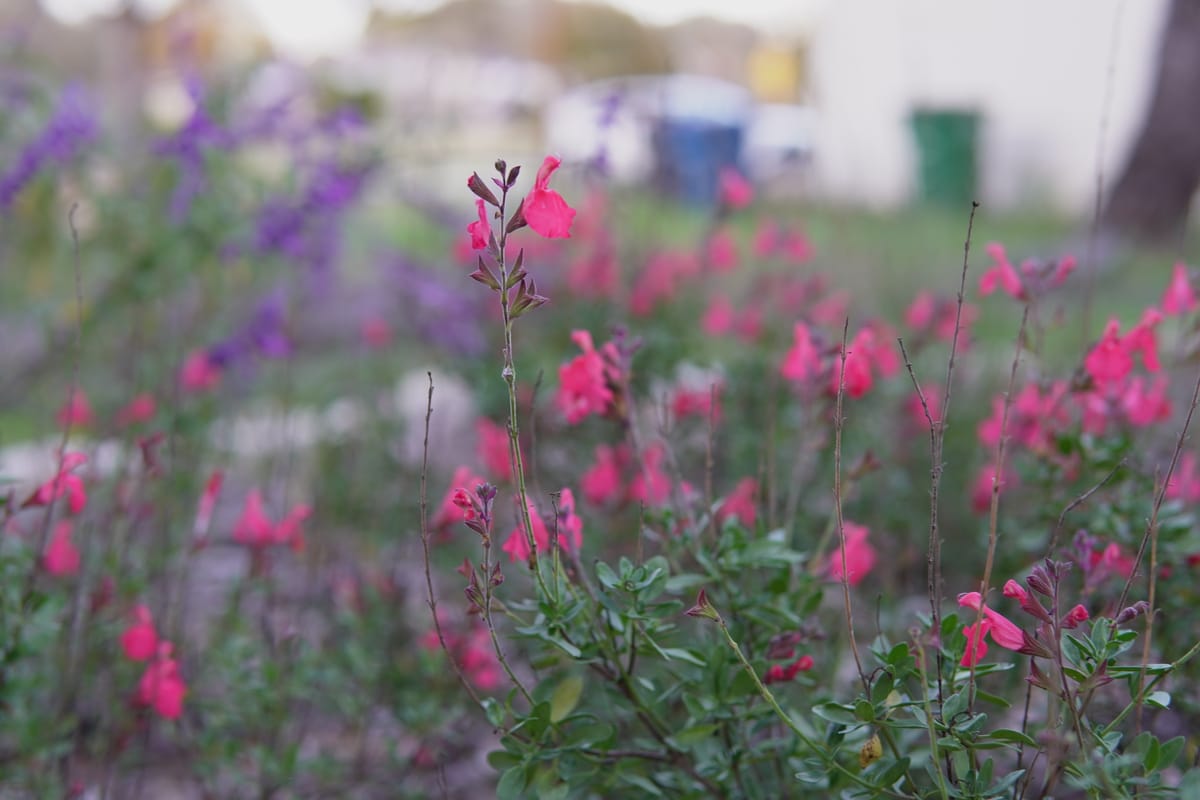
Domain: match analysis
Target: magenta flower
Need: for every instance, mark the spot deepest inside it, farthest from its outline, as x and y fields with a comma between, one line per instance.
x=740, y=504
x=161, y=688
x=802, y=360
x=141, y=408
x=140, y=640
x=1179, y=298
x=860, y=555
x=61, y=557
x=543, y=208
x=517, y=544
x=1109, y=361
x=66, y=482
x=602, y=483
x=735, y=190
x=77, y=411
x=1003, y=631
x=1001, y=274
x=584, y=380
x=492, y=447
x=480, y=229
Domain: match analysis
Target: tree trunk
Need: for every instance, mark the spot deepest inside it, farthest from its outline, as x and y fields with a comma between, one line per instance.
x=1151, y=199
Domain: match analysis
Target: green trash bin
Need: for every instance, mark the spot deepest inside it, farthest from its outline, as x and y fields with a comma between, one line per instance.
x=947, y=146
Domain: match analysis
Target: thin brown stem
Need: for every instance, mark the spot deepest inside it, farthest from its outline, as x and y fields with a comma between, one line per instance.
x=838, y=422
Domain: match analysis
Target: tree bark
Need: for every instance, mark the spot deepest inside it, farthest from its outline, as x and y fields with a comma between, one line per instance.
x=1151, y=199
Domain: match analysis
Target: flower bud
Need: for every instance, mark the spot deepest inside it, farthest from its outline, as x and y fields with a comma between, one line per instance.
x=480, y=189
x=703, y=608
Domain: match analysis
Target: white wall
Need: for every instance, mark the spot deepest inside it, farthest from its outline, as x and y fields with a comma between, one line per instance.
x=1037, y=70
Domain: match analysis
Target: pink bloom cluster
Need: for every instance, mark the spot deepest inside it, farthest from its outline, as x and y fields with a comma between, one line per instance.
x=588, y=383
x=62, y=557
x=1034, y=277
x=870, y=352
x=792, y=245
x=471, y=648
x=160, y=688
x=258, y=531
x=569, y=529
x=604, y=482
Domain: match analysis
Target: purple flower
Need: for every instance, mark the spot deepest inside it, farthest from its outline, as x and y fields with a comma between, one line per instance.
x=188, y=147
x=70, y=128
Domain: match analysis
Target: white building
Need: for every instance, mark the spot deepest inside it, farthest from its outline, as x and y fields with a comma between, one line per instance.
x=1042, y=74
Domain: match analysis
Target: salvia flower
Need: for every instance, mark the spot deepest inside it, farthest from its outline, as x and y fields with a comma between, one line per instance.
x=77, y=412
x=140, y=639
x=734, y=190
x=61, y=558
x=161, y=688
x=1002, y=630
x=480, y=229
x=782, y=673
x=64, y=483
x=543, y=208
x=1179, y=297
x=587, y=382
x=860, y=555
x=258, y=531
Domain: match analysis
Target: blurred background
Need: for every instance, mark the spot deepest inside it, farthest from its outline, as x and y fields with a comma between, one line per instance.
x=860, y=102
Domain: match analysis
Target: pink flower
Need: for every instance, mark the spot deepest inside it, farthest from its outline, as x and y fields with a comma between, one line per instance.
x=1142, y=338
x=703, y=403
x=492, y=447
x=802, y=360
x=1179, y=298
x=199, y=373
x=449, y=513
x=77, y=412
x=208, y=502
x=1001, y=274
x=584, y=381
x=735, y=191
x=860, y=555
x=920, y=312
x=857, y=375
x=916, y=411
x=740, y=504
x=766, y=238
x=161, y=688
x=517, y=544
x=1112, y=560
x=66, y=482
x=256, y=530
x=1109, y=361
x=781, y=673
x=543, y=208
x=375, y=332
x=1145, y=406
x=1003, y=631
x=140, y=409
x=480, y=229
x=570, y=526
x=797, y=247
x=1075, y=616
x=981, y=494
x=1185, y=481
x=718, y=319
x=61, y=558
x=722, y=251
x=650, y=485
x=140, y=640
x=602, y=483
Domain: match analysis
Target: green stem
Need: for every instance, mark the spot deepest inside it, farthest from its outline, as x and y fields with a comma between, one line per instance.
x=832, y=762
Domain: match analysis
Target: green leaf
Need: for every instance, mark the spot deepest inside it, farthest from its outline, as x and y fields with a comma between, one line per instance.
x=608, y=579
x=511, y=785
x=837, y=713
x=565, y=697
x=1016, y=737
x=679, y=653
x=1159, y=699
x=494, y=711
x=688, y=737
